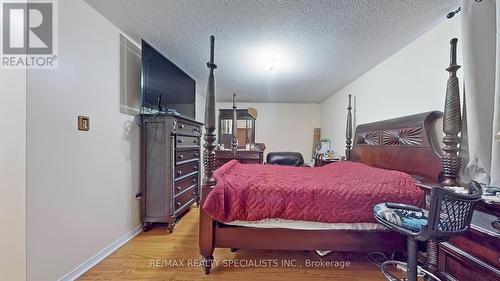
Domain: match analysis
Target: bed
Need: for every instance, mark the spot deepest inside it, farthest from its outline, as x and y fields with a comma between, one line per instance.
x=339, y=193
x=408, y=144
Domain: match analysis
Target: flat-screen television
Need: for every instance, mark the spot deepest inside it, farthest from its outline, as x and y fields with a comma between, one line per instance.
x=165, y=86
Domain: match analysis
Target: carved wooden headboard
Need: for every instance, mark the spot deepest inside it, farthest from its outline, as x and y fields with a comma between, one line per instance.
x=404, y=144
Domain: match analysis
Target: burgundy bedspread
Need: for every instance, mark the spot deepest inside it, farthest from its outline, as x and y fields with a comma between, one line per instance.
x=342, y=192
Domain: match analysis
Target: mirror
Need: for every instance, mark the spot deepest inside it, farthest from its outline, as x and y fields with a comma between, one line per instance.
x=245, y=128
x=244, y=131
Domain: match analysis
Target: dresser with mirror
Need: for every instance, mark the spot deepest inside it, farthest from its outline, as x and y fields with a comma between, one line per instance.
x=236, y=137
x=245, y=128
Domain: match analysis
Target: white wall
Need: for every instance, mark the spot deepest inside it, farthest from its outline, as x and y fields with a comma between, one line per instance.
x=13, y=175
x=200, y=107
x=81, y=185
x=284, y=126
x=411, y=81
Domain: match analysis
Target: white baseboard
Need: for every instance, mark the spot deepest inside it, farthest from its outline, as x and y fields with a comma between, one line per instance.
x=84, y=267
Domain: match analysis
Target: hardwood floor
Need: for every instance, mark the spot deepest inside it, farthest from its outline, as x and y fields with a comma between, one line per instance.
x=157, y=255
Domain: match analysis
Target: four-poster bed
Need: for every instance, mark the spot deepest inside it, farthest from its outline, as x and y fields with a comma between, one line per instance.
x=404, y=144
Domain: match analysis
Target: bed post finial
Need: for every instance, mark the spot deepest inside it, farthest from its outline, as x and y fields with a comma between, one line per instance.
x=452, y=122
x=209, y=153
x=348, y=131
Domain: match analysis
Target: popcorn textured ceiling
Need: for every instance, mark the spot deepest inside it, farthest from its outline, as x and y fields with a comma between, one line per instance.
x=277, y=51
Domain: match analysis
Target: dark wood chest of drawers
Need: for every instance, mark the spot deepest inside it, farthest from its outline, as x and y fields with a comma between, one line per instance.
x=243, y=156
x=170, y=179
x=474, y=255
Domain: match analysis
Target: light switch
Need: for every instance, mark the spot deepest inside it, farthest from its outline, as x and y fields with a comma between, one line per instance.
x=83, y=123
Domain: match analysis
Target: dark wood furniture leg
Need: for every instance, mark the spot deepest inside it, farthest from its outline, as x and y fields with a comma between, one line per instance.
x=431, y=263
x=206, y=241
x=146, y=226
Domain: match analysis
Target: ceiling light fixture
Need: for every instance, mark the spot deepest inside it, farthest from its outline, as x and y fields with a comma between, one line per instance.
x=270, y=59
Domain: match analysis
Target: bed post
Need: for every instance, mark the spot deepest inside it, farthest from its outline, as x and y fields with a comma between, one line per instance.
x=452, y=126
x=348, y=131
x=452, y=122
x=234, y=140
x=206, y=230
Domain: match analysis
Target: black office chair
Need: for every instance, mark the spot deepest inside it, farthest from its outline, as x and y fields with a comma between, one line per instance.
x=285, y=158
x=449, y=214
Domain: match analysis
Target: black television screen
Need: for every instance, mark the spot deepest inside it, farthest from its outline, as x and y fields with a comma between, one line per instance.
x=164, y=85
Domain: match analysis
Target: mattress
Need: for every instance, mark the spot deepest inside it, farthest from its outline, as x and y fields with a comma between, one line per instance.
x=306, y=225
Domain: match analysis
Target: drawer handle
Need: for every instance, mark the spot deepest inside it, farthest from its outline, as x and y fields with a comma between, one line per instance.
x=195, y=167
x=195, y=141
x=196, y=130
x=496, y=225
x=195, y=180
x=180, y=140
x=196, y=155
x=178, y=205
x=181, y=156
x=193, y=193
x=181, y=126
x=179, y=173
x=178, y=188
